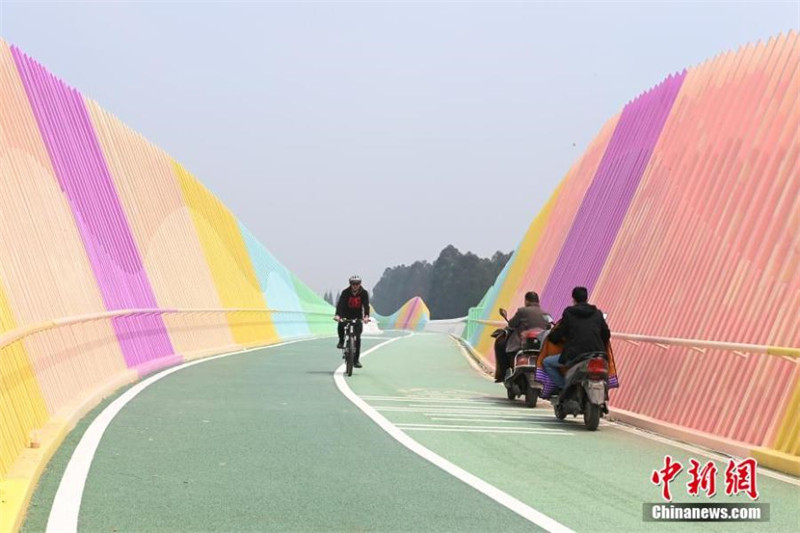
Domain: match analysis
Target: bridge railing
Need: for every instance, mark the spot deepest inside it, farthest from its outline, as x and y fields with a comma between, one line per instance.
x=740, y=349
x=18, y=334
x=54, y=371
x=739, y=398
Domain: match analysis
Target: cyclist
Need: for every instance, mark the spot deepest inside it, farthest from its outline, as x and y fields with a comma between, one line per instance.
x=353, y=303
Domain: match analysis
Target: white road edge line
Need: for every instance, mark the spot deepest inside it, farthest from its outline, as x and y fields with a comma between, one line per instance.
x=67, y=502
x=475, y=482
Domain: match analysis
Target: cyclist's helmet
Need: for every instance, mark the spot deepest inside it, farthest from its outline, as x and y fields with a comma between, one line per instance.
x=355, y=279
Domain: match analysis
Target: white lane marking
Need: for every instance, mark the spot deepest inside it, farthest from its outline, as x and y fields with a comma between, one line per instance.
x=496, y=431
x=67, y=502
x=444, y=418
x=497, y=416
x=527, y=428
x=430, y=399
x=458, y=410
x=477, y=483
x=475, y=408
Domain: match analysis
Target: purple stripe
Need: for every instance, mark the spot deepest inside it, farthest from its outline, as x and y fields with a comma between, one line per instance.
x=608, y=197
x=81, y=170
x=412, y=309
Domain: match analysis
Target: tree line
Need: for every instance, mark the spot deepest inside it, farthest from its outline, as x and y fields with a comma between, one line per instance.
x=450, y=285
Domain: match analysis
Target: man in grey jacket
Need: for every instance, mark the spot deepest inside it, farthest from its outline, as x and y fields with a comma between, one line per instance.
x=528, y=317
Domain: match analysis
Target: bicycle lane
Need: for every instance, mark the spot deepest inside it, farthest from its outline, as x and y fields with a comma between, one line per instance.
x=587, y=481
x=261, y=441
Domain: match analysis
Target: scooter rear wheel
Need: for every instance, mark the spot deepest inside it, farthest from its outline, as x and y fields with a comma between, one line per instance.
x=591, y=416
x=530, y=397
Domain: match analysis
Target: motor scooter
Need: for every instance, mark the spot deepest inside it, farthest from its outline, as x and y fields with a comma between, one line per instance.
x=520, y=377
x=585, y=391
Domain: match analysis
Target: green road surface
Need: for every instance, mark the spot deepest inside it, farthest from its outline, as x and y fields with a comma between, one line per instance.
x=264, y=441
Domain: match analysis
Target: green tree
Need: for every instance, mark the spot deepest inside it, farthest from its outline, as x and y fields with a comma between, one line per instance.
x=450, y=286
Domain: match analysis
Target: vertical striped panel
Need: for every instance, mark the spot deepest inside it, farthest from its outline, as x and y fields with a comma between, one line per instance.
x=312, y=303
x=84, y=177
x=563, y=213
x=276, y=287
x=22, y=405
x=688, y=228
x=518, y=264
x=723, y=187
x=420, y=317
x=603, y=209
x=43, y=264
x=535, y=257
x=164, y=233
x=412, y=315
x=230, y=264
x=787, y=437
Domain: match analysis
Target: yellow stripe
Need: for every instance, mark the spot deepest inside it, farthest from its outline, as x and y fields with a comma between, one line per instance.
x=21, y=401
x=787, y=438
x=521, y=259
x=783, y=350
x=775, y=460
x=230, y=264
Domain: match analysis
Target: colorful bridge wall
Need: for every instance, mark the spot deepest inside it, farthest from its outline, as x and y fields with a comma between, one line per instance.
x=94, y=218
x=683, y=220
x=413, y=315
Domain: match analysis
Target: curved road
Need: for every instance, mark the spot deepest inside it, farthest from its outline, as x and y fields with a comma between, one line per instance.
x=264, y=441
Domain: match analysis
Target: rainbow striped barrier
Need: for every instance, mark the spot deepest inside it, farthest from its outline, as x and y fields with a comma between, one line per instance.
x=681, y=219
x=413, y=315
x=103, y=227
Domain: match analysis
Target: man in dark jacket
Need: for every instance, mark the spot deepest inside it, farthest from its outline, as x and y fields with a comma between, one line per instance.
x=528, y=317
x=582, y=329
x=353, y=303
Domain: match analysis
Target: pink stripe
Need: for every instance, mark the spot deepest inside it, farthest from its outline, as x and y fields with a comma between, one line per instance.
x=157, y=364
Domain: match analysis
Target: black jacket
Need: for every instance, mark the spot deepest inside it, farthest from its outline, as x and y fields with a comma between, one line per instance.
x=353, y=305
x=582, y=329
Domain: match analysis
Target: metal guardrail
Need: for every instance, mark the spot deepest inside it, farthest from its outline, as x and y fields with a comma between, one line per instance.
x=26, y=331
x=698, y=345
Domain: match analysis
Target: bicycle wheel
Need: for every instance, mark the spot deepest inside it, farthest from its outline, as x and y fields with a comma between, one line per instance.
x=349, y=355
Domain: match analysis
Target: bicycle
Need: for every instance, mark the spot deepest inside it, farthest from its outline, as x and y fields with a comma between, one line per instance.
x=349, y=343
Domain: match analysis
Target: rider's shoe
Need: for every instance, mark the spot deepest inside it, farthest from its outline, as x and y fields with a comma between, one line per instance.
x=357, y=364
x=340, y=345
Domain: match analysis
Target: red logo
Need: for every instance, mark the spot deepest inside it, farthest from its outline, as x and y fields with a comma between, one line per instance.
x=354, y=302
x=741, y=478
x=666, y=475
x=704, y=479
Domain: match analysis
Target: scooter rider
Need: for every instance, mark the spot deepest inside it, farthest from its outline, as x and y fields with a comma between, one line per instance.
x=582, y=329
x=353, y=303
x=528, y=317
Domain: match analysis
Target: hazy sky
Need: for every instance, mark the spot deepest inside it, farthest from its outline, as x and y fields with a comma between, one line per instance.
x=351, y=136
